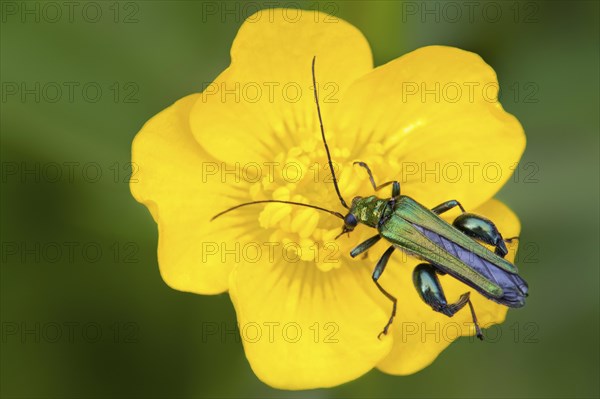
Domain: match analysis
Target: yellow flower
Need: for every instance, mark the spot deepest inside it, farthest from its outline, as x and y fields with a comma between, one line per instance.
x=309, y=315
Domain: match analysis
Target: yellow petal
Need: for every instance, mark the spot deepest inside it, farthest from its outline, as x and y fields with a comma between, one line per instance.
x=181, y=186
x=263, y=103
x=420, y=334
x=303, y=328
x=431, y=120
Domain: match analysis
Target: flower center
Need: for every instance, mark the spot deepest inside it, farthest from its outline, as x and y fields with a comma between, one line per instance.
x=301, y=173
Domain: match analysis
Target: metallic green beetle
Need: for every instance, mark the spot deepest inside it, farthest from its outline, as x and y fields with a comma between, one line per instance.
x=452, y=249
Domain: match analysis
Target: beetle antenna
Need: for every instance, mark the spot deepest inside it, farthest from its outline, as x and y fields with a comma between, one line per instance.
x=339, y=215
x=335, y=183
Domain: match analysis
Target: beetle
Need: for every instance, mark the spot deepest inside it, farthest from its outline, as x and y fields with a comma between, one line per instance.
x=455, y=249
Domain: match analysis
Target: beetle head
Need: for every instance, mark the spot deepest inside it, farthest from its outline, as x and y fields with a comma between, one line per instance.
x=350, y=220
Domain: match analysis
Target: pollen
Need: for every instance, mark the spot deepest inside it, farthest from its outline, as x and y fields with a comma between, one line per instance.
x=302, y=174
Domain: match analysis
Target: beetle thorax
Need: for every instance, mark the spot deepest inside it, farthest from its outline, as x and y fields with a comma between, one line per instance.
x=368, y=210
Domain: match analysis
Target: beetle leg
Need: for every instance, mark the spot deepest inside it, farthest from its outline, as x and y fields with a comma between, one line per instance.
x=446, y=206
x=431, y=292
x=364, y=165
x=474, y=316
x=365, y=245
x=379, y=268
x=395, y=187
x=508, y=241
x=481, y=229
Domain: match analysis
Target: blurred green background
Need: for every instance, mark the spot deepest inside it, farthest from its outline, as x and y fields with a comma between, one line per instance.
x=84, y=311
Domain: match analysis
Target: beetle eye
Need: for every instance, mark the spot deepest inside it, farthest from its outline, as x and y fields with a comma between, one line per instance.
x=350, y=221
